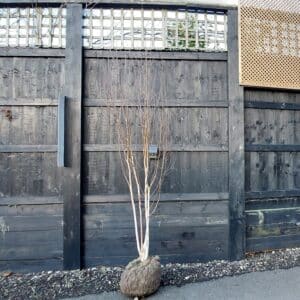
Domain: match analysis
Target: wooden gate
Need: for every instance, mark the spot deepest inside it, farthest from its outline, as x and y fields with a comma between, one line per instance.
x=74, y=211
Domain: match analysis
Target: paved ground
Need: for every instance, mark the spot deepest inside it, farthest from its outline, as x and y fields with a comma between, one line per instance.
x=270, y=285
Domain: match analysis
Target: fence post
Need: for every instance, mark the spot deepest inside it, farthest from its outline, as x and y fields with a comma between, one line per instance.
x=71, y=173
x=237, y=225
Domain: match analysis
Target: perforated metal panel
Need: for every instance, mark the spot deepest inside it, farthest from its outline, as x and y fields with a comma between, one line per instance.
x=270, y=43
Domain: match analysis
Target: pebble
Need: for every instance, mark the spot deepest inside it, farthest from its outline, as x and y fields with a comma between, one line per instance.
x=62, y=284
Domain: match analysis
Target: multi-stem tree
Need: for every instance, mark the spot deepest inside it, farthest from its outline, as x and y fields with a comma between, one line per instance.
x=142, y=124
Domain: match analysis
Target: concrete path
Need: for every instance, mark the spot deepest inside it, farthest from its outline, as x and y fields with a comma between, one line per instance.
x=271, y=285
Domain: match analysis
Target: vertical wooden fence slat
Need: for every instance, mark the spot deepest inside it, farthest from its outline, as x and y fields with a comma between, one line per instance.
x=236, y=144
x=71, y=174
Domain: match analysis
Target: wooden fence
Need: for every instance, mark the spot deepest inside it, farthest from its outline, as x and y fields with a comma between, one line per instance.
x=235, y=186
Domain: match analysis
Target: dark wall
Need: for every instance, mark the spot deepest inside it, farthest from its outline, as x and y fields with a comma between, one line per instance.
x=272, y=137
x=30, y=207
x=191, y=223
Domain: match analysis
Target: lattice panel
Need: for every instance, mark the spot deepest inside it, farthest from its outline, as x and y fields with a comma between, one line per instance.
x=33, y=27
x=270, y=43
x=116, y=28
x=154, y=29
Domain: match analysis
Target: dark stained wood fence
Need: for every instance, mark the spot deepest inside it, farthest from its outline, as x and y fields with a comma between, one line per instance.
x=191, y=222
x=272, y=141
x=31, y=207
x=79, y=215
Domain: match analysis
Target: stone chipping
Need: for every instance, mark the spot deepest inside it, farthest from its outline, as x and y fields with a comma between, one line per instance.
x=62, y=284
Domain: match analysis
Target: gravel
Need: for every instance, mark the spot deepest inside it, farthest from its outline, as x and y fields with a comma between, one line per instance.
x=61, y=284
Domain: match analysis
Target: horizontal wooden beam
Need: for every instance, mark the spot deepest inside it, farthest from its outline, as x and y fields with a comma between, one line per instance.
x=6, y=101
x=32, y=223
x=265, y=203
x=212, y=4
x=273, y=215
x=271, y=148
x=172, y=148
x=29, y=266
x=165, y=55
x=27, y=148
x=272, y=194
x=272, y=242
x=166, y=197
x=272, y=105
x=88, y=102
x=31, y=52
x=30, y=200
x=277, y=229
x=121, y=54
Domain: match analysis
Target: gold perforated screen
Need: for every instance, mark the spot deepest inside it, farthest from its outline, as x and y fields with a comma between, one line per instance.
x=269, y=36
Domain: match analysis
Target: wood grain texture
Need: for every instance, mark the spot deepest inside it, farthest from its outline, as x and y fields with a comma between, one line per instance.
x=272, y=105
x=41, y=205
x=98, y=102
x=272, y=148
x=31, y=265
x=31, y=223
x=41, y=209
x=165, y=55
x=201, y=231
x=192, y=172
x=7, y=101
x=269, y=127
x=27, y=148
x=272, y=194
x=269, y=171
x=71, y=173
x=164, y=197
x=236, y=143
x=11, y=201
x=164, y=259
x=28, y=174
x=31, y=52
x=272, y=242
x=28, y=126
x=272, y=96
x=194, y=93
x=190, y=126
x=188, y=207
x=30, y=207
x=265, y=203
x=31, y=77
x=139, y=148
x=273, y=216
x=31, y=245
x=272, y=177
x=199, y=80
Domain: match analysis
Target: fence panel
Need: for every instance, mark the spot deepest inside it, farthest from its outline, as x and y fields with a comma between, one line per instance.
x=30, y=206
x=272, y=141
x=191, y=223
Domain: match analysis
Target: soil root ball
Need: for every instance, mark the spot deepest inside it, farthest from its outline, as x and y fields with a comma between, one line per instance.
x=141, y=278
